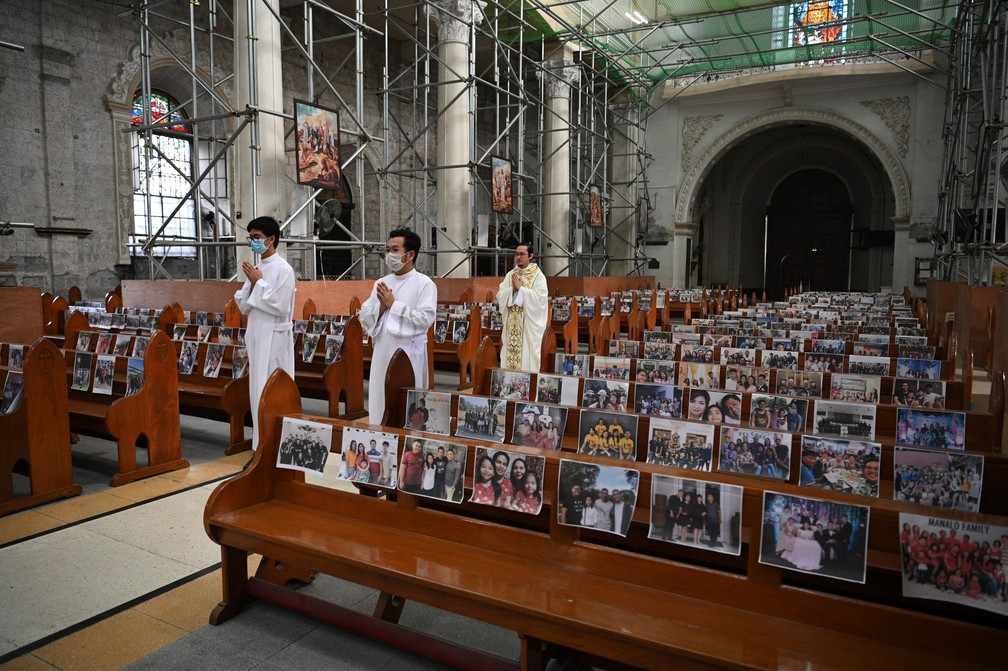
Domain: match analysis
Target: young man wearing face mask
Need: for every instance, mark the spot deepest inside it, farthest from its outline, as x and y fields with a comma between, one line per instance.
x=267, y=298
x=400, y=310
x=523, y=302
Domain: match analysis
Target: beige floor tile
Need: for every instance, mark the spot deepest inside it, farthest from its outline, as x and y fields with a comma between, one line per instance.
x=83, y=507
x=111, y=644
x=143, y=490
x=27, y=523
x=187, y=606
x=201, y=473
x=27, y=662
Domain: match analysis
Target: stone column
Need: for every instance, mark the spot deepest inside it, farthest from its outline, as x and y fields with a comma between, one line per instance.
x=682, y=255
x=622, y=219
x=558, y=76
x=261, y=184
x=903, y=258
x=454, y=130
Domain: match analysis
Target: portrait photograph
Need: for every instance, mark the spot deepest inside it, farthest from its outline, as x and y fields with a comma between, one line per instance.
x=869, y=365
x=717, y=407
x=104, y=374
x=139, y=347
x=680, y=444
x=179, y=331
x=508, y=480
x=122, y=345
x=611, y=395
x=608, y=434
x=104, y=344
x=658, y=400
x=510, y=384
x=83, y=341
x=596, y=497
x=939, y=429
x=557, y=389
x=82, y=371
x=481, y=418
x=779, y=359
x=815, y=536
x=824, y=363
x=655, y=370
x=837, y=418
x=696, y=354
x=460, y=330
x=755, y=452
x=746, y=378
x=938, y=478
x=611, y=368
x=955, y=561
x=304, y=445
x=500, y=185
x=919, y=369
x=440, y=330
x=913, y=393
x=369, y=457
x=850, y=466
x=428, y=411
x=317, y=146
x=213, y=360
x=737, y=356
x=239, y=362
x=433, y=468
x=705, y=515
x=571, y=364
x=539, y=425
x=187, y=357
x=333, y=347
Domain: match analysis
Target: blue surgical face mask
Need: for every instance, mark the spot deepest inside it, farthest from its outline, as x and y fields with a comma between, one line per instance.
x=258, y=246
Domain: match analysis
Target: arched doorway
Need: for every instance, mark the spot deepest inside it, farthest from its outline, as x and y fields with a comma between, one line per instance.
x=808, y=234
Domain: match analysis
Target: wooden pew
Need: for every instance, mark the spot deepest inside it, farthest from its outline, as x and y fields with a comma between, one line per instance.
x=35, y=436
x=640, y=601
x=150, y=416
x=221, y=398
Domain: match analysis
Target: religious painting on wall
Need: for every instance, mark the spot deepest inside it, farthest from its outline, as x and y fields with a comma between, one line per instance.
x=317, y=146
x=595, y=218
x=500, y=185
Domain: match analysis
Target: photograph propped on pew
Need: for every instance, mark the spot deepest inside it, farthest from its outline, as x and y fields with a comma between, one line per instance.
x=609, y=395
x=557, y=389
x=855, y=388
x=680, y=444
x=239, y=362
x=815, y=536
x=333, y=346
x=921, y=369
x=849, y=466
x=706, y=515
x=611, y=368
x=539, y=425
x=837, y=418
x=575, y=365
x=940, y=429
x=433, y=468
x=870, y=365
x=13, y=385
x=608, y=434
x=702, y=375
x=481, y=418
x=656, y=370
x=508, y=480
x=956, y=561
x=83, y=341
x=304, y=445
x=510, y=384
x=658, y=400
x=597, y=497
x=716, y=407
x=938, y=478
x=428, y=411
x=919, y=393
x=82, y=371
x=369, y=457
x=624, y=349
x=660, y=351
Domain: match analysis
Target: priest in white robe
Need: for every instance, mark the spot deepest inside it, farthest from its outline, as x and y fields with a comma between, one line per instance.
x=524, y=304
x=267, y=298
x=397, y=315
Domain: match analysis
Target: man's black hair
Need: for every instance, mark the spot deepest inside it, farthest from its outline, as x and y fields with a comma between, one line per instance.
x=527, y=246
x=411, y=241
x=268, y=226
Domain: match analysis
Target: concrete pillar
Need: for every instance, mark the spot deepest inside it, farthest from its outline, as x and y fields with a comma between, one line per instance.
x=558, y=76
x=454, y=132
x=261, y=184
x=683, y=248
x=903, y=258
x=622, y=220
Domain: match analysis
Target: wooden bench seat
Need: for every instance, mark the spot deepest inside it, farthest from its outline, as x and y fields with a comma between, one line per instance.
x=599, y=594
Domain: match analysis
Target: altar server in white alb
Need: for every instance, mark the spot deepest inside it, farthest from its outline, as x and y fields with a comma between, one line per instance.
x=267, y=297
x=524, y=305
x=398, y=314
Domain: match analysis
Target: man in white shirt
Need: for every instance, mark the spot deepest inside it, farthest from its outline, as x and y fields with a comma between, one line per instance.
x=524, y=305
x=397, y=315
x=267, y=298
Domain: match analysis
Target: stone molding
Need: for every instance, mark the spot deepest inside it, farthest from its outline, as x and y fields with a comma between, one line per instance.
x=895, y=112
x=694, y=128
x=558, y=76
x=454, y=18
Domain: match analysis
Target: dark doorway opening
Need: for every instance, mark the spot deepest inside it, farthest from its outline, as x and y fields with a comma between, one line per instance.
x=808, y=234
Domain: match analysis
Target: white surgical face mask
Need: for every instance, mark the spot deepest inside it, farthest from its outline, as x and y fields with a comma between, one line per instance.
x=394, y=262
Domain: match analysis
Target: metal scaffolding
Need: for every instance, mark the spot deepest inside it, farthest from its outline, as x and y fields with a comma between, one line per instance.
x=969, y=239
x=389, y=117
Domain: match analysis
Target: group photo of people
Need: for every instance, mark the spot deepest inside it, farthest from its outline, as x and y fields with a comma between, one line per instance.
x=855, y=388
x=304, y=445
x=433, y=468
x=942, y=479
x=850, y=466
x=661, y=351
x=608, y=434
x=755, y=452
x=701, y=514
x=213, y=360
x=656, y=370
x=658, y=400
x=239, y=361
x=333, y=347
x=309, y=343
x=104, y=343
x=608, y=395
x=104, y=373
x=680, y=444
x=624, y=349
x=700, y=375
x=824, y=363
x=738, y=357
x=428, y=411
x=134, y=376
x=862, y=348
x=941, y=429
x=802, y=383
x=596, y=497
x=955, y=561
x=82, y=371
x=557, y=389
x=779, y=359
x=509, y=384
x=842, y=419
x=572, y=364
x=918, y=369
x=187, y=357
x=539, y=425
x=815, y=536
x=916, y=352
x=911, y=393
x=139, y=346
x=508, y=480
x=611, y=368
x=868, y=365
x=717, y=407
x=747, y=379
x=777, y=413
x=369, y=457
x=823, y=346
x=481, y=418
x=13, y=384
x=716, y=340
x=696, y=354
x=657, y=336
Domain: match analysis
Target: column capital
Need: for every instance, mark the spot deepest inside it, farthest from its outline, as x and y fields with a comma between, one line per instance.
x=900, y=223
x=558, y=76
x=453, y=18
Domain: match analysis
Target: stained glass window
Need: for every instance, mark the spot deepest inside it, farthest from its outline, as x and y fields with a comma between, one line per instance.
x=818, y=22
x=161, y=106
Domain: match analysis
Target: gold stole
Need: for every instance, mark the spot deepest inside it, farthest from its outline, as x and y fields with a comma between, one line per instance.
x=516, y=321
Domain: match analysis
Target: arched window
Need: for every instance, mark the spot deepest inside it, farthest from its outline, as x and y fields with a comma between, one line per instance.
x=162, y=176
